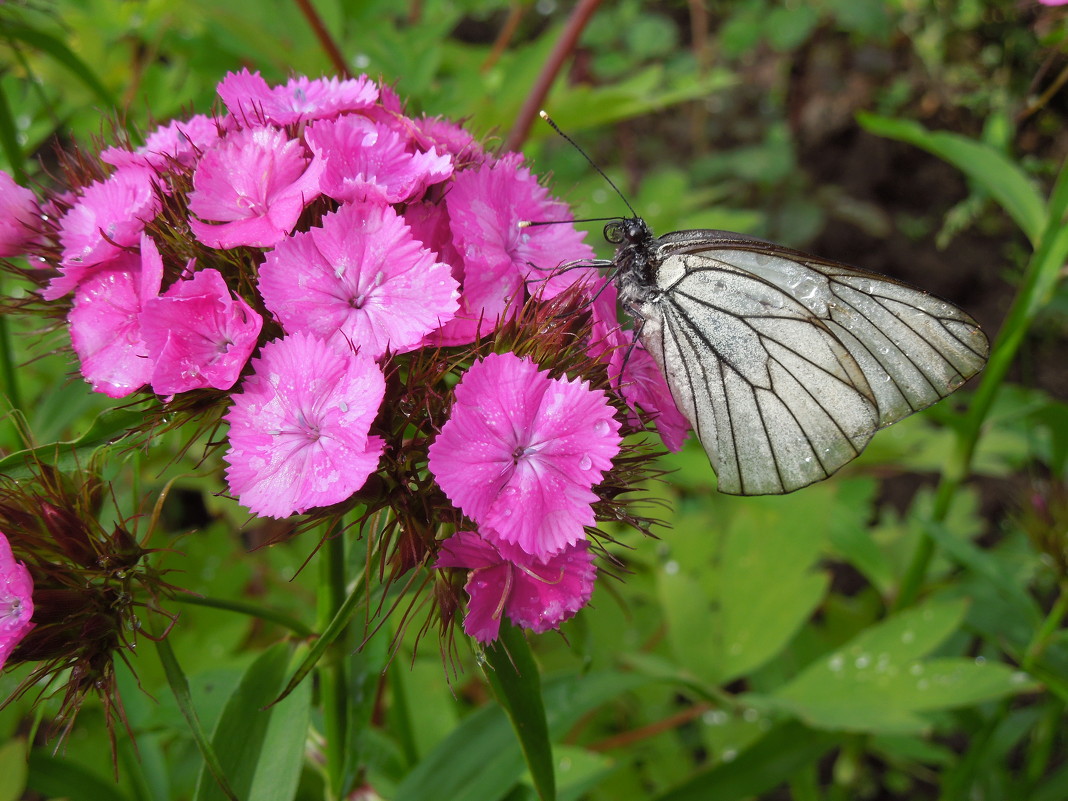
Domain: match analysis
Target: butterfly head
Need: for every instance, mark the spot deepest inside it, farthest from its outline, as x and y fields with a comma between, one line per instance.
x=629, y=231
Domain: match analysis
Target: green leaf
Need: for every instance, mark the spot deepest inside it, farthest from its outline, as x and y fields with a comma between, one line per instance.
x=59, y=51
x=109, y=426
x=516, y=681
x=733, y=600
x=877, y=683
x=580, y=770
x=772, y=760
x=480, y=760
x=984, y=165
x=12, y=769
x=261, y=747
x=56, y=777
x=180, y=688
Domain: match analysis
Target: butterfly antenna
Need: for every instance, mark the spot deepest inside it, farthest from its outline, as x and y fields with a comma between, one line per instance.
x=591, y=162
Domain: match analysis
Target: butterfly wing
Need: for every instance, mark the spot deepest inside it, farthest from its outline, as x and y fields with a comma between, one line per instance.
x=786, y=365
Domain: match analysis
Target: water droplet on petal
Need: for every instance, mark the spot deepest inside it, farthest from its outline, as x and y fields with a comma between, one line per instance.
x=585, y=463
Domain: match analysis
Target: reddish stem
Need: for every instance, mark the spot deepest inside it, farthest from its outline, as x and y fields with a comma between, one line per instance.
x=325, y=39
x=561, y=50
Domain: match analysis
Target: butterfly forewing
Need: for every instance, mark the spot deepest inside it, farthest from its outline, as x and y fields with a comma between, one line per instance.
x=913, y=348
x=786, y=365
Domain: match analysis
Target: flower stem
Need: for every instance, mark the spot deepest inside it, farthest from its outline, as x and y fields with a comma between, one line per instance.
x=333, y=686
x=1039, y=280
x=252, y=610
x=1049, y=627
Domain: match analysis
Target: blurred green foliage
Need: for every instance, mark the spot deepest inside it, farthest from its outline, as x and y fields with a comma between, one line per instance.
x=757, y=643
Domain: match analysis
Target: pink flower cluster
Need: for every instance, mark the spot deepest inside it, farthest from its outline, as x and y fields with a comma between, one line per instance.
x=289, y=254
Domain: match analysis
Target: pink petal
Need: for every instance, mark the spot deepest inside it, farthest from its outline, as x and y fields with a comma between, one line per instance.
x=105, y=329
x=253, y=186
x=249, y=98
x=367, y=161
x=109, y=217
x=299, y=428
x=179, y=142
x=18, y=216
x=488, y=589
x=486, y=205
x=545, y=595
x=468, y=550
x=361, y=277
x=16, y=600
x=199, y=335
x=521, y=452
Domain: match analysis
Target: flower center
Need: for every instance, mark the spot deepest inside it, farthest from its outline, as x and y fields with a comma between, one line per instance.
x=522, y=452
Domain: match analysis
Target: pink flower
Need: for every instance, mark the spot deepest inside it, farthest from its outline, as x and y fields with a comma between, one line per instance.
x=254, y=183
x=430, y=225
x=18, y=216
x=105, y=321
x=249, y=98
x=446, y=136
x=108, y=218
x=363, y=275
x=299, y=428
x=16, y=601
x=486, y=205
x=535, y=595
x=521, y=452
x=632, y=370
x=369, y=161
x=177, y=142
x=198, y=334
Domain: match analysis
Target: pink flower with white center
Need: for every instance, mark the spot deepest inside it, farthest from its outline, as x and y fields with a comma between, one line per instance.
x=506, y=581
x=252, y=101
x=178, y=142
x=299, y=428
x=108, y=218
x=198, y=334
x=521, y=452
x=252, y=185
x=105, y=321
x=486, y=205
x=16, y=600
x=18, y=216
x=368, y=161
x=361, y=277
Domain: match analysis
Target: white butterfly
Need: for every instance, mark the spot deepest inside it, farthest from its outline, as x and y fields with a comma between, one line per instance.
x=785, y=364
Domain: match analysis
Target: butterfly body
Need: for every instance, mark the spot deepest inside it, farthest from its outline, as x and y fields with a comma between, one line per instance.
x=785, y=364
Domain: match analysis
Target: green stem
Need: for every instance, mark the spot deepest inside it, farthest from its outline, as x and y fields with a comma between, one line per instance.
x=252, y=610
x=1049, y=627
x=333, y=684
x=9, y=379
x=1038, y=283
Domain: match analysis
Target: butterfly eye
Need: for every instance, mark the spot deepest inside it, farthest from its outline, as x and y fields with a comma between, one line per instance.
x=613, y=232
